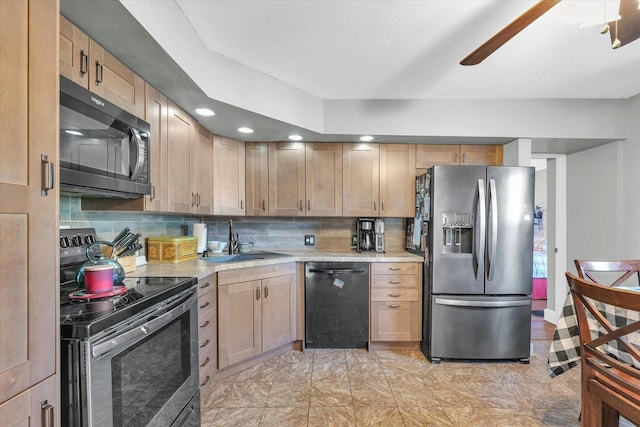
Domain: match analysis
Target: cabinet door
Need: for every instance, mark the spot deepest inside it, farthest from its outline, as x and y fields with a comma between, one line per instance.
x=29, y=320
x=361, y=179
x=490, y=155
x=286, y=179
x=34, y=407
x=74, y=53
x=428, y=155
x=239, y=317
x=156, y=107
x=278, y=311
x=323, y=182
x=179, y=195
x=202, y=168
x=397, y=180
x=395, y=321
x=228, y=176
x=114, y=81
x=257, y=178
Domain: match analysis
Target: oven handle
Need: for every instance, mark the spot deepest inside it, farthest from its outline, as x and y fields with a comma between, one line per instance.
x=148, y=328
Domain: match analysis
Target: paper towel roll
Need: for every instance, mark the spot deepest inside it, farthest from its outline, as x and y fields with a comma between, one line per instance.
x=200, y=231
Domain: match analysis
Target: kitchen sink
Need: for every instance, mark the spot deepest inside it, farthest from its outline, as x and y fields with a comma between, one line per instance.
x=221, y=259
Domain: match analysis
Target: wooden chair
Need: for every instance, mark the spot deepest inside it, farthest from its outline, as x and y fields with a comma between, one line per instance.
x=589, y=269
x=610, y=386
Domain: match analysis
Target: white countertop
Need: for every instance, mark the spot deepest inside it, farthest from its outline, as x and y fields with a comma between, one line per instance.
x=200, y=268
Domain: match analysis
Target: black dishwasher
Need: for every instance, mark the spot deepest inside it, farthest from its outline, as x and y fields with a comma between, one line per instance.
x=336, y=304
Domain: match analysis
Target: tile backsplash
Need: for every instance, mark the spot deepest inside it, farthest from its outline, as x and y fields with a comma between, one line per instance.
x=268, y=233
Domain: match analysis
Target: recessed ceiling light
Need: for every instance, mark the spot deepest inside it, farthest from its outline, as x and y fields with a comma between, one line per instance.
x=205, y=112
x=366, y=138
x=73, y=132
x=295, y=137
x=245, y=130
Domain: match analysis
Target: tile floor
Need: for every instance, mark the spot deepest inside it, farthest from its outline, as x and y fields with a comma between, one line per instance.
x=393, y=388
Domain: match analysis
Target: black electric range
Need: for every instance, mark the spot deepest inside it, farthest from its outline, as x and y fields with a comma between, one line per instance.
x=85, y=318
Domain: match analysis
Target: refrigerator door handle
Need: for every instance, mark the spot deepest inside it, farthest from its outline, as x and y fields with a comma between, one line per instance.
x=486, y=304
x=493, y=207
x=480, y=234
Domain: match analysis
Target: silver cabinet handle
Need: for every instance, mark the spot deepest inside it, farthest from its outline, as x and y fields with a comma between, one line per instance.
x=394, y=268
x=99, y=73
x=152, y=196
x=205, y=363
x=206, y=380
x=47, y=414
x=395, y=282
x=47, y=171
x=395, y=305
x=241, y=204
x=205, y=324
x=301, y=207
x=257, y=294
x=264, y=205
x=395, y=295
x=266, y=292
x=205, y=285
x=455, y=156
x=308, y=205
x=464, y=157
x=382, y=205
x=84, y=63
x=375, y=206
x=204, y=344
x=206, y=304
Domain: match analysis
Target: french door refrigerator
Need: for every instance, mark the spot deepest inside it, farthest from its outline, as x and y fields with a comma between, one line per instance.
x=480, y=250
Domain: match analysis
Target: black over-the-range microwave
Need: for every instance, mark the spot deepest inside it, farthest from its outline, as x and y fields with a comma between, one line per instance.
x=104, y=150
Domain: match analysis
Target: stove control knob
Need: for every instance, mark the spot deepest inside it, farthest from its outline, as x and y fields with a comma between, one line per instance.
x=77, y=241
x=89, y=239
x=64, y=242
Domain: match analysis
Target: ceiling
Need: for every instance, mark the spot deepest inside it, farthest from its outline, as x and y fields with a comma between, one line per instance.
x=398, y=51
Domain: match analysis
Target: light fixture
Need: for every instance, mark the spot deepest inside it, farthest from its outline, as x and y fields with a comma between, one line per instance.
x=295, y=137
x=73, y=132
x=366, y=138
x=205, y=112
x=245, y=130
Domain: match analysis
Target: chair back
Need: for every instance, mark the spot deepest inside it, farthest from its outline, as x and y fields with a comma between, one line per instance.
x=617, y=273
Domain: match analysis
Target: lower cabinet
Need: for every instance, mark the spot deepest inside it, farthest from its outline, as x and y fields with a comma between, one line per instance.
x=207, y=332
x=256, y=311
x=396, y=302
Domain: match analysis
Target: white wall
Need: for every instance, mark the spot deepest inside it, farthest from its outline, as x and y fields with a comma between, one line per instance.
x=540, y=198
x=603, y=197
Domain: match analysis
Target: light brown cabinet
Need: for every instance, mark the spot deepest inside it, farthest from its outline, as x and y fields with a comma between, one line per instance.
x=378, y=180
x=228, y=176
x=305, y=179
x=29, y=212
x=156, y=114
x=396, y=302
x=180, y=195
x=207, y=332
x=256, y=311
x=257, y=178
x=428, y=155
x=85, y=62
x=202, y=161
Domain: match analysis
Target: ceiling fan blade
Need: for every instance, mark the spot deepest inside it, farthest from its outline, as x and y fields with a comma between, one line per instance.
x=629, y=23
x=504, y=35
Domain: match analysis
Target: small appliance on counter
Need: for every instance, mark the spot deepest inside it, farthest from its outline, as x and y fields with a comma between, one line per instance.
x=370, y=234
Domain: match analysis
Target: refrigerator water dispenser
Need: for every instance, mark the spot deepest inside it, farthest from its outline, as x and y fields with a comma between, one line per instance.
x=457, y=232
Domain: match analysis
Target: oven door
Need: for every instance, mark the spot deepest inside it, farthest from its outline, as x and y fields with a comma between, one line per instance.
x=145, y=372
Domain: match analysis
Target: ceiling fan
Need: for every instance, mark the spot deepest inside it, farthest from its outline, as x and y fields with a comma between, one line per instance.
x=628, y=28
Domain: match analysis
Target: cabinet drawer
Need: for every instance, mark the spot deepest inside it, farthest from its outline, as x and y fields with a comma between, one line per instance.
x=394, y=281
x=206, y=285
x=207, y=326
x=393, y=295
x=206, y=302
x=207, y=358
x=206, y=379
x=396, y=268
x=395, y=321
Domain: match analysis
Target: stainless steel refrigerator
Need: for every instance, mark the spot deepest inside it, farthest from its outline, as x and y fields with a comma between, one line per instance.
x=480, y=251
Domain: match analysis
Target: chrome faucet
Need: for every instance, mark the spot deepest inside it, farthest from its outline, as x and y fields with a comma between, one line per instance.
x=233, y=239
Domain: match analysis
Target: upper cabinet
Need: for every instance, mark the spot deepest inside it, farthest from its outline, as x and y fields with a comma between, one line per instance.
x=202, y=162
x=257, y=178
x=85, y=62
x=228, y=176
x=180, y=194
x=156, y=114
x=29, y=212
x=378, y=180
x=428, y=155
x=305, y=179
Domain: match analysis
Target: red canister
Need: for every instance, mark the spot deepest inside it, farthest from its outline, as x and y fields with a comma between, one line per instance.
x=98, y=279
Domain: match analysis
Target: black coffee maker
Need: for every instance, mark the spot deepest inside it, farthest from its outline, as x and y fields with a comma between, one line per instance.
x=369, y=234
